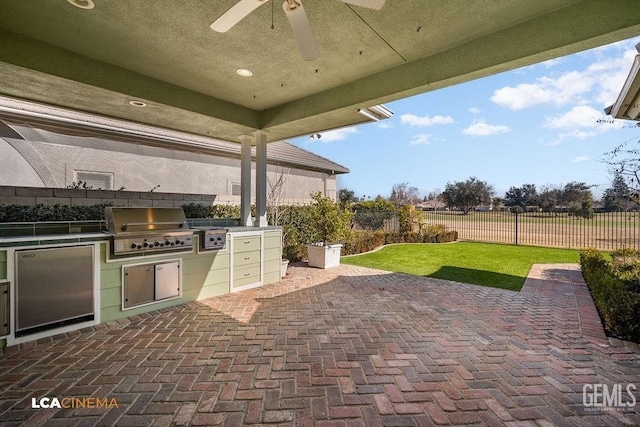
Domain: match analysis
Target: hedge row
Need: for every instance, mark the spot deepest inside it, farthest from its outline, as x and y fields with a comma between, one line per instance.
x=365, y=241
x=21, y=213
x=615, y=288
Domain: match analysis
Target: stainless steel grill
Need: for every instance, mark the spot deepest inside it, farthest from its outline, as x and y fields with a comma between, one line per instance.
x=212, y=238
x=145, y=231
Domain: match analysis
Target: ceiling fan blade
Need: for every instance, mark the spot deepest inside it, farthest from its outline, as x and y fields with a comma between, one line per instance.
x=236, y=14
x=369, y=4
x=301, y=29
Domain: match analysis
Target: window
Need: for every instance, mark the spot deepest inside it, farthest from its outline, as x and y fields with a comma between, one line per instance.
x=95, y=180
x=235, y=189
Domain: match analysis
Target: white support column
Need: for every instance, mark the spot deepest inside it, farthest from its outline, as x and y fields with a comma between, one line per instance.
x=261, y=179
x=245, y=180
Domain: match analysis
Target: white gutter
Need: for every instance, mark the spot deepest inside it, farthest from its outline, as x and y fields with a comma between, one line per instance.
x=627, y=106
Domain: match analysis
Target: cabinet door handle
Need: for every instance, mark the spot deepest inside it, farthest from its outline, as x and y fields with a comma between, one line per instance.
x=247, y=258
x=247, y=242
x=247, y=274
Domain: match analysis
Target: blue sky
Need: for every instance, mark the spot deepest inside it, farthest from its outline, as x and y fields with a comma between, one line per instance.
x=537, y=124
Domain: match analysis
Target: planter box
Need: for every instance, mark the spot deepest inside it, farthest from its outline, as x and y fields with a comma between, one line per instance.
x=283, y=269
x=324, y=256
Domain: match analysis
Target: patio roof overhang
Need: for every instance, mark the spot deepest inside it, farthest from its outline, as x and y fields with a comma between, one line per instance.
x=164, y=55
x=160, y=64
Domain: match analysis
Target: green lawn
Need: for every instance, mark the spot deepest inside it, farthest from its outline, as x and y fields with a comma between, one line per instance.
x=486, y=264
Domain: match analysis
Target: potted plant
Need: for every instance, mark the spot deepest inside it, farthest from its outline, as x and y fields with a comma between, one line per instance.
x=330, y=224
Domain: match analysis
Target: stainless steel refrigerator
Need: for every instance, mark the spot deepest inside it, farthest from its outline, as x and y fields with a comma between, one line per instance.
x=54, y=287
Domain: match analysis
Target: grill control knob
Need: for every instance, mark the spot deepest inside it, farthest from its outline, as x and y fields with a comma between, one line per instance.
x=139, y=246
x=211, y=239
x=134, y=245
x=146, y=244
x=178, y=242
x=167, y=242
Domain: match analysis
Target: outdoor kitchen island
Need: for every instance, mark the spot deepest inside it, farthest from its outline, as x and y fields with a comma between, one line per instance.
x=251, y=257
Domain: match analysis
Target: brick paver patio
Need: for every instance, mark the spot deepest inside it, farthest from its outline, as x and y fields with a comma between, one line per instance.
x=347, y=346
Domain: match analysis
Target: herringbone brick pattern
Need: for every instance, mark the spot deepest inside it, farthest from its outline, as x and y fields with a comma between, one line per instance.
x=342, y=347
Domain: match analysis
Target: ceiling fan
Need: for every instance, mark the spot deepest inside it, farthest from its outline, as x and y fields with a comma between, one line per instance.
x=296, y=15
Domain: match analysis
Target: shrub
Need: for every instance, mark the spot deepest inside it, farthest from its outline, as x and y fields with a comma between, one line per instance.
x=432, y=234
x=625, y=266
x=21, y=213
x=198, y=210
x=611, y=285
x=411, y=220
x=363, y=241
x=371, y=214
x=330, y=223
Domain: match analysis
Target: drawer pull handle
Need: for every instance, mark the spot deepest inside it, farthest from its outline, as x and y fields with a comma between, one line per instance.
x=247, y=242
x=247, y=258
x=247, y=274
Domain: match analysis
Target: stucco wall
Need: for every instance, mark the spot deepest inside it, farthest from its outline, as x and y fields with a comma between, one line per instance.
x=55, y=166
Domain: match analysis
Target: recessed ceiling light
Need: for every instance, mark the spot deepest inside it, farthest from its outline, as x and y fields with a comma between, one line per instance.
x=83, y=4
x=137, y=103
x=244, y=72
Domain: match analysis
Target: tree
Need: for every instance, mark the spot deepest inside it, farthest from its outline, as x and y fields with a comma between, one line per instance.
x=403, y=194
x=371, y=214
x=346, y=197
x=275, y=197
x=548, y=198
x=521, y=196
x=617, y=198
x=624, y=160
x=585, y=208
x=466, y=195
x=328, y=221
x=573, y=193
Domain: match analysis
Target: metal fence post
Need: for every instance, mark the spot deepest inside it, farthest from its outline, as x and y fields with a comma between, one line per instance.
x=516, y=212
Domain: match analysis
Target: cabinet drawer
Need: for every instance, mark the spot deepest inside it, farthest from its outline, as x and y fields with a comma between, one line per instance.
x=246, y=274
x=245, y=258
x=245, y=244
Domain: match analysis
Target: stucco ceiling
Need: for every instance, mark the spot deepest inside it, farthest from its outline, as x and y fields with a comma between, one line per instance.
x=164, y=54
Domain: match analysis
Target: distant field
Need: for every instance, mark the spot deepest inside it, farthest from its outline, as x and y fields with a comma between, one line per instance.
x=606, y=231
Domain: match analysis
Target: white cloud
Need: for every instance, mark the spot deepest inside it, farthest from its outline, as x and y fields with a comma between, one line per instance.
x=338, y=134
x=420, y=139
x=425, y=121
x=581, y=116
x=385, y=125
x=610, y=75
x=480, y=128
x=579, y=159
x=474, y=110
x=565, y=89
x=582, y=122
x=601, y=81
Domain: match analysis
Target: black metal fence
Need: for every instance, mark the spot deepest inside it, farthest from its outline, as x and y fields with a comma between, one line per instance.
x=605, y=231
